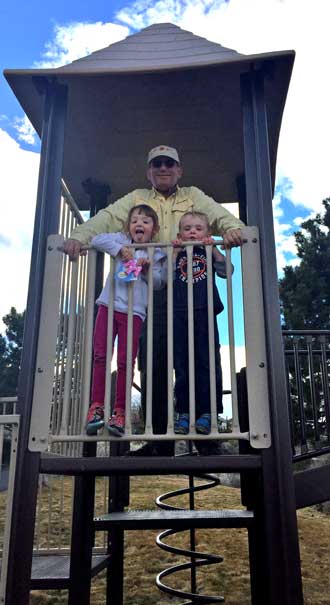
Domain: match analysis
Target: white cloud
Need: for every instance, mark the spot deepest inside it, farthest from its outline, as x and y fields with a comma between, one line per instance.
x=286, y=251
x=272, y=25
x=18, y=191
x=70, y=42
x=75, y=40
x=141, y=14
x=25, y=130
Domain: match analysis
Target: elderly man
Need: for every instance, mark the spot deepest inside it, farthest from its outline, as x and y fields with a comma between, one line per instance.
x=170, y=202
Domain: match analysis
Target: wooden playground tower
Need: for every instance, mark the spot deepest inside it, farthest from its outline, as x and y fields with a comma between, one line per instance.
x=97, y=118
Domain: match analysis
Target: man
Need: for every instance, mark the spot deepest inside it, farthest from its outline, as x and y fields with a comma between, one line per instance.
x=170, y=202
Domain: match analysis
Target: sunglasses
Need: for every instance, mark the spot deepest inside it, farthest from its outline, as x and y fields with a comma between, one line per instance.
x=157, y=163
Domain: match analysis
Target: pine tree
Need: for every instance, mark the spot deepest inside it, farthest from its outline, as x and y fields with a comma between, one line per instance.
x=305, y=305
x=305, y=289
x=10, y=352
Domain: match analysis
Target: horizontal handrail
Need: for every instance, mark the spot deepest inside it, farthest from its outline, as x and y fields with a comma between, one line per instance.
x=64, y=358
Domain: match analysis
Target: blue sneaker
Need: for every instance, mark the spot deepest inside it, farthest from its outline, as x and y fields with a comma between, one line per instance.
x=203, y=424
x=181, y=425
x=95, y=418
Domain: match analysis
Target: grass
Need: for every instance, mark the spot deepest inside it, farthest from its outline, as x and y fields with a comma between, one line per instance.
x=144, y=560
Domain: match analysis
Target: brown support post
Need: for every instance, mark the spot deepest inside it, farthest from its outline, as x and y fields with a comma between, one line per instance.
x=281, y=546
x=27, y=471
x=82, y=536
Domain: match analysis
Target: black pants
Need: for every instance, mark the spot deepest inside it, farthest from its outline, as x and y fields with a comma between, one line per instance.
x=202, y=365
x=159, y=378
x=159, y=370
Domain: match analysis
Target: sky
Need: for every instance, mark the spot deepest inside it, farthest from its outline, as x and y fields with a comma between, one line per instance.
x=39, y=33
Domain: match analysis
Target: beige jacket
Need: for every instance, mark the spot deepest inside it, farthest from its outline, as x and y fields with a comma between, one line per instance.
x=169, y=211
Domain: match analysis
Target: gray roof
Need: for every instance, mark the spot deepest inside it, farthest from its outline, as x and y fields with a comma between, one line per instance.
x=159, y=46
x=163, y=85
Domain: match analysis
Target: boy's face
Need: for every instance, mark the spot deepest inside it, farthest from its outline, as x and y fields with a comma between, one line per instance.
x=141, y=227
x=193, y=228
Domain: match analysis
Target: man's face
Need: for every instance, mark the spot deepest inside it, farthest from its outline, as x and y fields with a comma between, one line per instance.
x=193, y=228
x=164, y=173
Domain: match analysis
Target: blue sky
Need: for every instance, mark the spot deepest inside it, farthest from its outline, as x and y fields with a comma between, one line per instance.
x=38, y=33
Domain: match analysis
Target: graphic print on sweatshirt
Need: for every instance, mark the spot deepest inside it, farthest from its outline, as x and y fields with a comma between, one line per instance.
x=199, y=266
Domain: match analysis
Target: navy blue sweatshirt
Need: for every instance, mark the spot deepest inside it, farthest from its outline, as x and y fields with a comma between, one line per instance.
x=200, y=276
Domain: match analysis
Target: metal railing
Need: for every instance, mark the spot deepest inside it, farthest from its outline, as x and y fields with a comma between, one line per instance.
x=55, y=497
x=307, y=356
x=70, y=215
x=8, y=405
x=64, y=359
x=9, y=427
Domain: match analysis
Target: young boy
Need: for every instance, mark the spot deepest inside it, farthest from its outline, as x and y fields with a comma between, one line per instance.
x=194, y=226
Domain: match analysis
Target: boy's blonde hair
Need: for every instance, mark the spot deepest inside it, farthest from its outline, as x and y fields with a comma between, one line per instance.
x=198, y=214
x=143, y=209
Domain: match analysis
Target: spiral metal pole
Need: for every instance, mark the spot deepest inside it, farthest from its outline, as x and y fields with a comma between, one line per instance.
x=197, y=559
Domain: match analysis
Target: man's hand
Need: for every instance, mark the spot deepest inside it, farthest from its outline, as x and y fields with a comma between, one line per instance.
x=232, y=238
x=73, y=248
x=126, y=253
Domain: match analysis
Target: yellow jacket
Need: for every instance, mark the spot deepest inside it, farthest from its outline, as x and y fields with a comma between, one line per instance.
x=169, y=211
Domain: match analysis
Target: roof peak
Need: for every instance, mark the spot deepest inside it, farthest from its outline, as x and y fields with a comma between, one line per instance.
x=160, y=45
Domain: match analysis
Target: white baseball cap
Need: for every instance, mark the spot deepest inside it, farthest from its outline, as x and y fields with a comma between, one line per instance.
x=164, y=150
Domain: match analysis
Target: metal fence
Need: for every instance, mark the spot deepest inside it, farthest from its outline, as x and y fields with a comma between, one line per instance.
x=70, y=215
x=307, y=355
x=9, y=427
x=54, y=506
x=64, y=359
x=8, y=405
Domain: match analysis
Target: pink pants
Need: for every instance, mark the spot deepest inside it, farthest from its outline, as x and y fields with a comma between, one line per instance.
x=100, y=353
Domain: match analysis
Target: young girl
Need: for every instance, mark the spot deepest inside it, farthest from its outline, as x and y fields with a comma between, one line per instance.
x=142, y=225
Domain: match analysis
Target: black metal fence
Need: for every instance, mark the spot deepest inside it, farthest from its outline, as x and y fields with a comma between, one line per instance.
x=307, y=357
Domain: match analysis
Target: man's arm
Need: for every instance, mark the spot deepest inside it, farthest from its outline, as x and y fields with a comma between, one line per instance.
x=222, y=221
x=113, y=218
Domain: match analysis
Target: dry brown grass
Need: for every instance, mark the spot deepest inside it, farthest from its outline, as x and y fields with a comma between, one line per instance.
x=144, y=560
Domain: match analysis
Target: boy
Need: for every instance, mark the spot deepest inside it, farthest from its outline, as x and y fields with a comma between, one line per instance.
x=194, y=226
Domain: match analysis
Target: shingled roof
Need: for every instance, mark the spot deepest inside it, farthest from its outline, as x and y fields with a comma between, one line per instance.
x=162, y=85
x=163, y=45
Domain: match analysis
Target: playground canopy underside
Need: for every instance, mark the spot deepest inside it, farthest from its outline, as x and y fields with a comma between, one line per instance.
x=160, y=86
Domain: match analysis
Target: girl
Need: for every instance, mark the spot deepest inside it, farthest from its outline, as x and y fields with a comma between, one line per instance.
x=142, y=226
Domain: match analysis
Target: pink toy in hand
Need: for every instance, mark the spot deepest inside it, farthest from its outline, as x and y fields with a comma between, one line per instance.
x=131, y=267
x=128, y=270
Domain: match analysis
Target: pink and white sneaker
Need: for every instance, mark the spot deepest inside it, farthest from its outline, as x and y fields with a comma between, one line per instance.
x=116, y=424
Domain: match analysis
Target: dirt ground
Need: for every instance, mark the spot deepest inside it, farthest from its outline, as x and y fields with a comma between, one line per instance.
x=144, y=559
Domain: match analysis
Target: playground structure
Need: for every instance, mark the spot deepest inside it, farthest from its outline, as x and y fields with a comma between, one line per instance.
x=223, y=110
